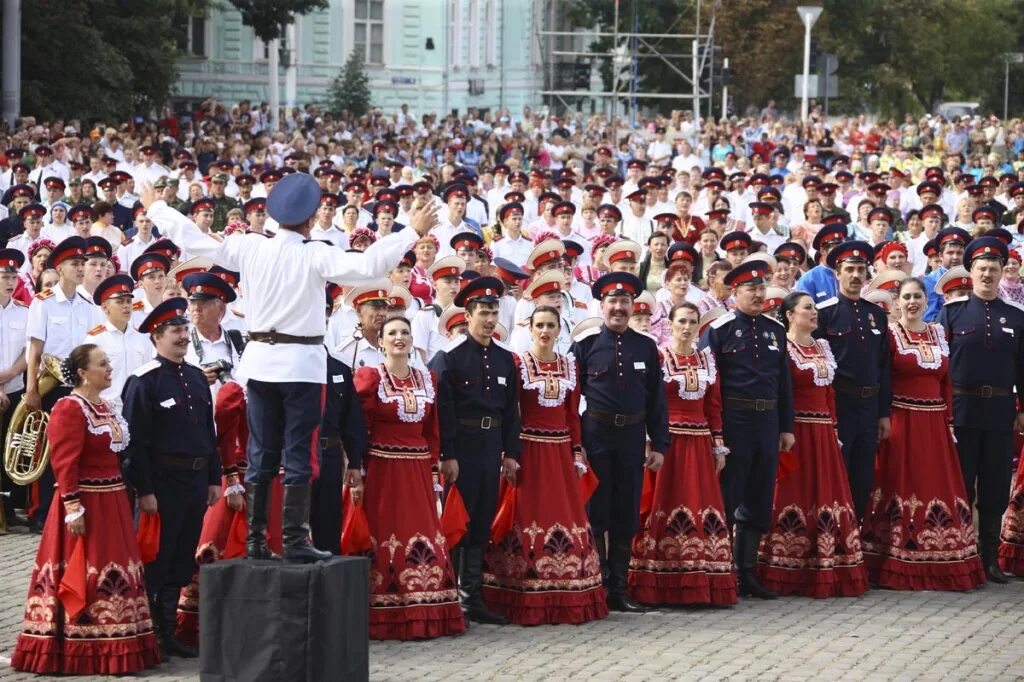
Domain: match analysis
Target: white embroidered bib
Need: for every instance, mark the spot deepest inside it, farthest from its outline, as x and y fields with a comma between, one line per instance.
x=409, y=401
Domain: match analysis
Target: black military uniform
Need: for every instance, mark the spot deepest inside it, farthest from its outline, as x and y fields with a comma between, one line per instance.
x=172, y=455
x=343, y=425
x=478, y=413
x=856, y=331
x=986, y=363
x=757, y=406
x=622, y=383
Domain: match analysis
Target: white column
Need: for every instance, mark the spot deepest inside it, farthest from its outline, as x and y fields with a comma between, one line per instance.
x=291, y=74
x=12, y=61
x=274, y=95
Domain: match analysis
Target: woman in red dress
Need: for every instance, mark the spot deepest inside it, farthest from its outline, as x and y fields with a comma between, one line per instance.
x=814, y=547
x=88, y=546
x=413, y=592
x=682, y=554
x=918, y=532
x=546, y=568
x=1011, y=537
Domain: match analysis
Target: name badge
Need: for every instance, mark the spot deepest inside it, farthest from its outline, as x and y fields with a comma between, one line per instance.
x=821, y=294
x=168, y=403
x=639, y=365
x=1008, y=331
x=338, y=378
x=875, y=331
x=502, y=381
x=774, y=348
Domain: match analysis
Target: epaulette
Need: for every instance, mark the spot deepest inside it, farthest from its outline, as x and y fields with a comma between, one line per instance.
x=454, y=343
x=523, y=323
x=138, y=305
x=146, y=368
x=724, y=319
x=958, y=299
x=127, y=241
x=772, y=318
x=236, y=313
x=649, y=335
x=1016, y=305
x=20, y=304
x=828, y=302
x=581, y=304
x=44, y=294
x=98, y=329
x=588, y=333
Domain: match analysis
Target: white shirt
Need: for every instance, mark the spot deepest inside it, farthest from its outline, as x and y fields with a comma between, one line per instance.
x=127, y=253
x=444, y=231
x=425, y=335
x=13, y=322
x=515, y=250
x=284, y=290
x=58, y=233
x=335, y=236
x=22, y=242
x=636, y=228
x=127, y=351
x=61, y=323
x=203, y=351
x=109, y=232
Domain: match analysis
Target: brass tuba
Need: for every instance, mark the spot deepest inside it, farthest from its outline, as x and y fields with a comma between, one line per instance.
x=26, y=451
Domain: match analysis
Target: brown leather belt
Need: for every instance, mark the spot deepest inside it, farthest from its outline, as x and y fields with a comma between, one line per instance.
x=273, y=338
x=482, y=423
x=980, y=391
x=755, y=405
x=613, y=419
x=847, y=387
x=330, y=442
x=182, y=463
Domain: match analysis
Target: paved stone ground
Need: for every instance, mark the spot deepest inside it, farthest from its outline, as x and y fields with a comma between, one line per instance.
x=881, y=636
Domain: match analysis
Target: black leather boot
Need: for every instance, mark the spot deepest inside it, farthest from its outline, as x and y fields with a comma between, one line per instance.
x=472, y=588
x=257, y=502
x=618, y=576
x=166, y=635
x=298, y=548
x=456, y=555
x=989, y=526
x=156, y=614
x=745, y=555
x=601, y=545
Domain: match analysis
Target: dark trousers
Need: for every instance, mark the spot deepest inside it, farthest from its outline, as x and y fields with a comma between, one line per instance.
x=748, y=480
x=858, y=432
x=47, y=483
x=325, y=506
x=182, y=505
x=479, y=458
x=17, y=493
x=284, y=418
x=986, y=460
x=617, y=455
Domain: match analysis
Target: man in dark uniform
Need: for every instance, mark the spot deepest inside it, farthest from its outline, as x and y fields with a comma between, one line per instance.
x=478, y=411
x=986, y=362
x=342, y=437
x=856, y=331
x=757, y=413
x=620, y=372
x=222, y=203
x=172, y=460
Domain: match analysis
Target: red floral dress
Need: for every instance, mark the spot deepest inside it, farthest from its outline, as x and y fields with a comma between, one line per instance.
x=413, y=592
x=681, y=555
x=546, y=569
x=223, y=534
x=1011, y=538
x=113, y=633
x=814, y=547
x=918, y=532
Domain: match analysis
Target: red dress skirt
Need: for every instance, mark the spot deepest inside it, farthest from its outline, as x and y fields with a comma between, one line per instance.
x=814, y=547
x=918, y=532
x=546, y=569
x=413, y=593
x=113, y=632
x=681, y=555
x=221, y=522
x=1011, y=539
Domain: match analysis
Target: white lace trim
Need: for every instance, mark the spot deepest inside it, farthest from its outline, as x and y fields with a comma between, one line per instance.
x=707, y=373
x=535, y=381
x=98, y=423
x=936, y=339
x=805, y=363
x=422, y=392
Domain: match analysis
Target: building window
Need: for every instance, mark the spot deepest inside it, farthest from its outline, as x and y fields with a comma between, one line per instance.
x=474, y=33
x=491, y=40
x=192, y=39
x=455, y=34
x=368, y=36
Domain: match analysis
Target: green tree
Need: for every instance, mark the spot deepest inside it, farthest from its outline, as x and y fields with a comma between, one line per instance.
x=350, y=89
x=269, y=17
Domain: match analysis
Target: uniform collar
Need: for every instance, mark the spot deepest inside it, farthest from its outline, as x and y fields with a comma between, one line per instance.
x=166, y=362
x=288, y=236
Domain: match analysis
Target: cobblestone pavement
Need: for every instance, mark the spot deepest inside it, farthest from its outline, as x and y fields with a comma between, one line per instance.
x=883, y=635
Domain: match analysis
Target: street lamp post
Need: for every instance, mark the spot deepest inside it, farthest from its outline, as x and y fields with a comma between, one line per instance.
x=808, y=15
x=1016, y=58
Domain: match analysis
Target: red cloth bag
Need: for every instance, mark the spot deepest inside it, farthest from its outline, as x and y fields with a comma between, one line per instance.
x=355, y=532
x=647, y=492
x=149, y=536
x=506, y=515
x=454, y=518
x=237, y=534
x=787, y=463
x=588, y=484
x=72, y=591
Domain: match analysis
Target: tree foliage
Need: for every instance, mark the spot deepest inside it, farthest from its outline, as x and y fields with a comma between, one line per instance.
x=122, y=60
x=350, y=89
x=269, y=17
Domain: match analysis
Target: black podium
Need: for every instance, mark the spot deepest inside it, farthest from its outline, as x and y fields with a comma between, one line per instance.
x=270, y=620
